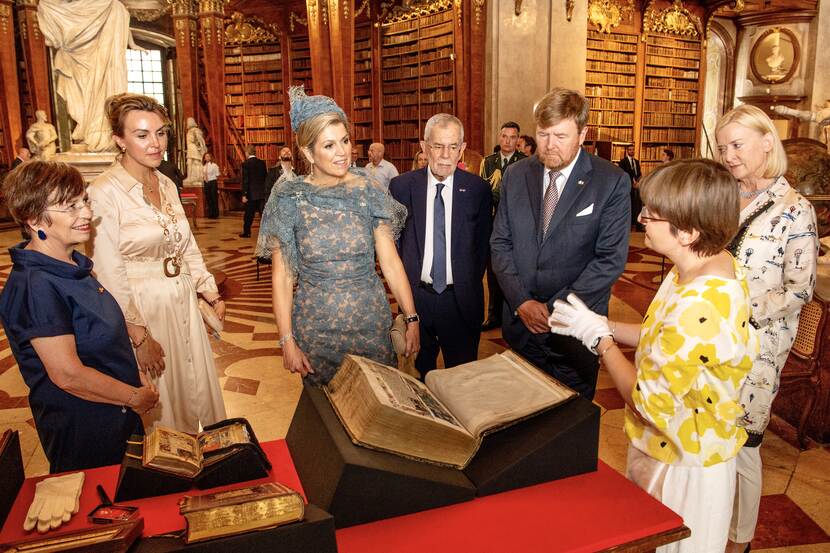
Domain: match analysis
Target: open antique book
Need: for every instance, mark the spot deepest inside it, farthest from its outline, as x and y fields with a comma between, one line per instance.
x=444, y=420
x=171, y=451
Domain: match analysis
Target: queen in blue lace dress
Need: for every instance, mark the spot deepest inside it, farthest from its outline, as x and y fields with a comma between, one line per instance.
x=323, y=232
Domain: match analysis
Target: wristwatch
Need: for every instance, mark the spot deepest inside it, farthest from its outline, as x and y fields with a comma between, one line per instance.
x=414, y=318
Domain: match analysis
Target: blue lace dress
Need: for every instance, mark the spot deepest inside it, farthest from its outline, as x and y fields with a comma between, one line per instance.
x=325, y=236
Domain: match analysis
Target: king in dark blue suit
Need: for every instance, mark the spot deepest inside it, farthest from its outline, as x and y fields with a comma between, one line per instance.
x=562, y=227
x=444, y=245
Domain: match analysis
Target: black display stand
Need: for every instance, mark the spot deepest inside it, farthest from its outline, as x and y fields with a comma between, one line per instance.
x=556, y=444
x=11, y=472
x=356, y=484
x=248, y=462
x=315, y=533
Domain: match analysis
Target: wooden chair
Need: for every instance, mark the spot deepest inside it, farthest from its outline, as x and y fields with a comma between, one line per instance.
x=190, y=206
x=803, y=366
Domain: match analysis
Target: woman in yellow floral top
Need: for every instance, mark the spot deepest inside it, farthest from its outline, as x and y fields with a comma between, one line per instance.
x=695, y=347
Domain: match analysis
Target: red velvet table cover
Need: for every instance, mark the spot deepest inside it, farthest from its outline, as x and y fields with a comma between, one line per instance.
x=583, y=513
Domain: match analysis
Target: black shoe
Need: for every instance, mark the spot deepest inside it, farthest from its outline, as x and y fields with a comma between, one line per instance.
x=491, y=323
x=245, y=235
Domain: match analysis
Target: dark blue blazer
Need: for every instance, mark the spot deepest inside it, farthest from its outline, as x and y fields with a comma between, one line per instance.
x=587, y=243
x=471, y=227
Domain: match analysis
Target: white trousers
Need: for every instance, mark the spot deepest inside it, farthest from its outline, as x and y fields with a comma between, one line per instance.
x=747, y=495
x=703, y=496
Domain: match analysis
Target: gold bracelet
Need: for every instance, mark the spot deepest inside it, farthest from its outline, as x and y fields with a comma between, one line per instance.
x=143, y=339
x=603, y=352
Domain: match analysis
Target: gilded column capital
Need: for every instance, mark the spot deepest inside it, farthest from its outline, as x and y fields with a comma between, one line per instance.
x=182, y=8
x=27, y=3
x=212, y=6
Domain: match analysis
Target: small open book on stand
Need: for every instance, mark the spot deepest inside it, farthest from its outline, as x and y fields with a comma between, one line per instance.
x=166, y=461
x=444, y=420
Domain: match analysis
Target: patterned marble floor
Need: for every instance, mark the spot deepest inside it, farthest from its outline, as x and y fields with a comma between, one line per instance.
x=795, y=516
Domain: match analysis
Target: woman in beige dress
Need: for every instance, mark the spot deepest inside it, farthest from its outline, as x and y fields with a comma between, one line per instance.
x=146, y=256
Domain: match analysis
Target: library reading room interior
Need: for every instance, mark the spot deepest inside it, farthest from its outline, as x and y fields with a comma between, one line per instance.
x=329, y=237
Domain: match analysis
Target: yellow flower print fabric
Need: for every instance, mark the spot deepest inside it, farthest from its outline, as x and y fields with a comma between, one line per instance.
x=696, y=348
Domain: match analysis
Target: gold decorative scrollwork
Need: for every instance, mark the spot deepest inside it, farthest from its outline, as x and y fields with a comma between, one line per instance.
x=294, y=18
x=605, y=15
x=346, y=8
x=410, y=9
x=150, y=15
x=569, y=9
x=212, y=6
x=250, y=30
x=182, y=7
x=364, y=6
x=478, y=10
x=5, y=16
x=738, y=5
x=675, y=20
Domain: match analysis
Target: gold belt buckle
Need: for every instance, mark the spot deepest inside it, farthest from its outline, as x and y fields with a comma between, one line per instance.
x=176, y=267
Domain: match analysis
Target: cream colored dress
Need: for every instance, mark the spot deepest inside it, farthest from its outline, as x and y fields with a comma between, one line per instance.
x=128, y=250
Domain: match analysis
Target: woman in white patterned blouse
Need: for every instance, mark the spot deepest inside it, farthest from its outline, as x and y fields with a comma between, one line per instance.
x=777, y=245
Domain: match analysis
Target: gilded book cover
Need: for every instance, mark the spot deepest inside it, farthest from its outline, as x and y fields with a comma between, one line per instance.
x=240, y=510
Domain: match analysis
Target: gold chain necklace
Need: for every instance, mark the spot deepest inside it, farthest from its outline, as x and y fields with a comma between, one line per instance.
x=172, y=239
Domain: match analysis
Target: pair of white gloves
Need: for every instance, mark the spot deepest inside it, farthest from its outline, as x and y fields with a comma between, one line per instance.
x=56, y=500
x=573, y=318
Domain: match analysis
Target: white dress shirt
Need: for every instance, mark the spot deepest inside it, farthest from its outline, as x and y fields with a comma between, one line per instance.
x=446, y=194
x=211, y=171
x=565, y=174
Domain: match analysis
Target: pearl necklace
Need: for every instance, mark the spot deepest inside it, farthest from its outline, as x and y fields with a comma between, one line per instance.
x=754, y=193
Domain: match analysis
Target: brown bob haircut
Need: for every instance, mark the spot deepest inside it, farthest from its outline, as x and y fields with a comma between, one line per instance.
x=695, y=194
x=119, y=105
x=35, y=185
x=560, y=104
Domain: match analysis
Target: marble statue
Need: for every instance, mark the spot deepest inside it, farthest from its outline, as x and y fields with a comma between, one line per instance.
x=196, y=150
x=42, y=137
x=90, y=39
x=821, y=117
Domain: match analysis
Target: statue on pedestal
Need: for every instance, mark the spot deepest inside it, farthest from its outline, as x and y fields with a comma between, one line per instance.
x=196, y=149
x=820, y=117
x=90, y=39
x=42, y=137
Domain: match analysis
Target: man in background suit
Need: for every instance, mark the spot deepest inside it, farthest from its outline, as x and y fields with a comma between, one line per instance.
x=444, y=245
x=631, y=166
x=492, y=169
x=283, y=168
x=23, y=154
x=254, y=172
x=562, y=227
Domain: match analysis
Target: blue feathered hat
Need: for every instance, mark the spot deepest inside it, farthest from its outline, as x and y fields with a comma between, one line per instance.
x=305, y=107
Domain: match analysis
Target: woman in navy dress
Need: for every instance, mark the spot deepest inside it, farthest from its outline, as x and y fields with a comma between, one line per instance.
x=65, y=330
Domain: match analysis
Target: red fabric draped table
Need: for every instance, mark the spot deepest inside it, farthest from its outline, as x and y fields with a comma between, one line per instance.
x=590, y=512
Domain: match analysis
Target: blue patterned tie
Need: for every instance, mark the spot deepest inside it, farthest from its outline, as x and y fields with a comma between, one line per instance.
x=439, y=243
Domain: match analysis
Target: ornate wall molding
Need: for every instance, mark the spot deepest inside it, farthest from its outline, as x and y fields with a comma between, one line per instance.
x=150, y=15
x=674, y=20
x=5, y=18
x=294, y=18
x=606, y=15
x=364, y=6
x=212, y=6
x=27, y=3
x=250, y=30
x=182, y=7
x=391, y=13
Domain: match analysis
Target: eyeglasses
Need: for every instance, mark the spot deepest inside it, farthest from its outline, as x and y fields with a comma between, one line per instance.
x=75, y=208
x=644, y=217
x=440, y=148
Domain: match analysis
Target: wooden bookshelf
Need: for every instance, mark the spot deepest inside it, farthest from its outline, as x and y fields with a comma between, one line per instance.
x=610, y=86
x=254, y=96
x=300, y=54
x=672, y=79
x=418, y=80
x=363, y=81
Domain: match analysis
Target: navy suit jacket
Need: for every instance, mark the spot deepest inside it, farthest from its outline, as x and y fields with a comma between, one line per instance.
x=254, y=172
x=587, y=243
x=471, y=226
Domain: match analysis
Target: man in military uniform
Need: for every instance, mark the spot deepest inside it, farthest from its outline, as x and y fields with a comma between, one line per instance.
x=492, y=169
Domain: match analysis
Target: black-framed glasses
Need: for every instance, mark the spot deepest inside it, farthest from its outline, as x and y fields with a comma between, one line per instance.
x=75, y=208
x=645, y=218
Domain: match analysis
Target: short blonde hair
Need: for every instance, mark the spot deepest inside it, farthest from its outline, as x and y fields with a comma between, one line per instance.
x=754, y=118
x=695, y=194
x=560, y=104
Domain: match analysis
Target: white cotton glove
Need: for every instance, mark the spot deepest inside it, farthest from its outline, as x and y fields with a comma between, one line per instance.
x=56, y=500
x=573, y=318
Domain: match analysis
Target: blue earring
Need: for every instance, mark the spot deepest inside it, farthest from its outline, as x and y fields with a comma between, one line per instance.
x=41, y=234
